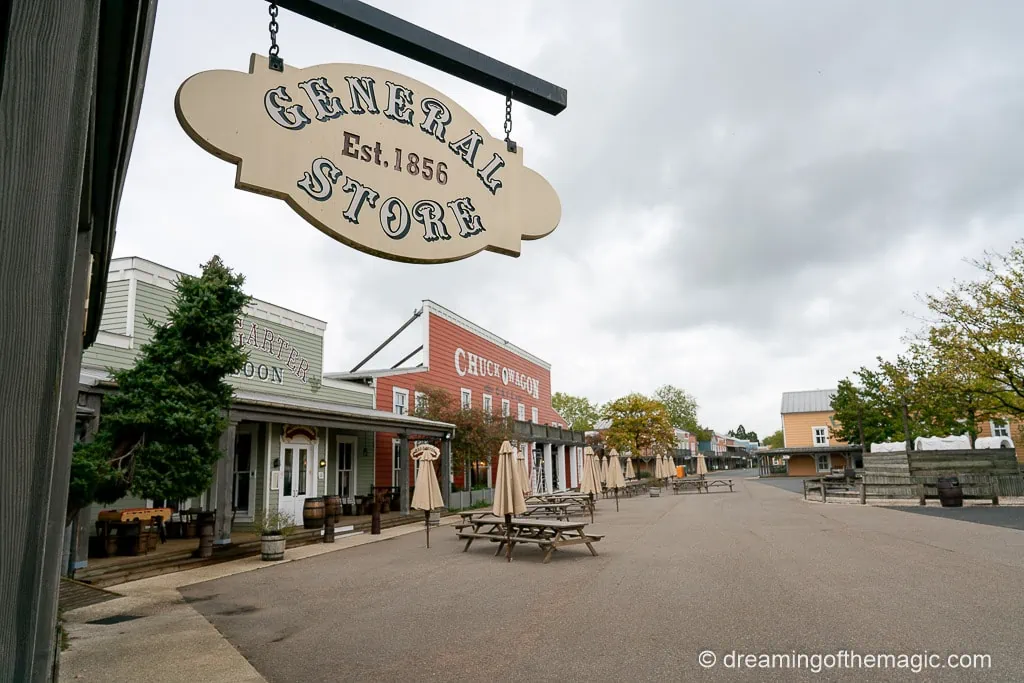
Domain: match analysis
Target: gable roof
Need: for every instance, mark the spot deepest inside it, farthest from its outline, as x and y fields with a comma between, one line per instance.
x=815, y=401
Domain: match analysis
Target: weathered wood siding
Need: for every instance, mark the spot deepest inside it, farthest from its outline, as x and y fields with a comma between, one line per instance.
x=973, y=467
x=799, y=428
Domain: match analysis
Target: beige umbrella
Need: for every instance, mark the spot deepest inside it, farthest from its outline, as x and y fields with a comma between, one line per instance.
x=427, y=495
x=508, y=491
x=702, y=466
x=657, y=467
x=603, y=469
x=524, y=474
x=615, y=480
x=630, y=473
x=670, y=467
x=590, y=484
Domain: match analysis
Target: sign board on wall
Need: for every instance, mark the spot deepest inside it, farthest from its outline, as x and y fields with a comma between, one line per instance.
x=374, y=159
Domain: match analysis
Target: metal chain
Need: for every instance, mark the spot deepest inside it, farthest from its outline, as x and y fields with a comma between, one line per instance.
x=276, y=63
x=509, y=143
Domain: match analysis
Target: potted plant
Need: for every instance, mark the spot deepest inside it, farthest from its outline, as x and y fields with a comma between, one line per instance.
x=273, y=528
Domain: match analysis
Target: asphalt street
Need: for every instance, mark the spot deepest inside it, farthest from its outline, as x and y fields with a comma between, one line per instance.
x=754, y=572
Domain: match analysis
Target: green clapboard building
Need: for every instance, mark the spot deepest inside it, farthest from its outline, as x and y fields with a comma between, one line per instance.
x=286, y=418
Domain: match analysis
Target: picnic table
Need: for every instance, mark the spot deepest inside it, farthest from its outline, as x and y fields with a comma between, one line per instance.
x=575, y=501
x=556, y=510
x=702, y=485
x=548, y=534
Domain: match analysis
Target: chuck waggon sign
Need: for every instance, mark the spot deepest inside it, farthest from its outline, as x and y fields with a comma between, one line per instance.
x=374, y=159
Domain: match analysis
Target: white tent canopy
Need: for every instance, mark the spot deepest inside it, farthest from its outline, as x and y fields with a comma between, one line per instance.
x=993, y=442
x=942, y=443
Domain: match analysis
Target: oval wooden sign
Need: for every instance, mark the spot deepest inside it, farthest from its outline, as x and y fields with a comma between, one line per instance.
x=374, y=159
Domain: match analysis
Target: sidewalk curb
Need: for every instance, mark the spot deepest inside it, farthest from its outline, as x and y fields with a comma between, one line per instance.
x=154, y=612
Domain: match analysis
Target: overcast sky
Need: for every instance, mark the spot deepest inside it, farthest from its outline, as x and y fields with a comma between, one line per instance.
x=752, y=192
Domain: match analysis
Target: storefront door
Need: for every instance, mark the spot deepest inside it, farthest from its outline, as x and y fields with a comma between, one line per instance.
x=243, y=494
x=296, y=471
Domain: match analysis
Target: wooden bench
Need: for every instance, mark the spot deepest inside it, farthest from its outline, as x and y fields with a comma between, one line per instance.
x=721, y=483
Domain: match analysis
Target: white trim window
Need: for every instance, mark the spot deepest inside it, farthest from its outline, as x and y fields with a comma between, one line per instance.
x=1000, y=428
x=506, y=407
x=346, y=467
x=823, y=462
x=820, y=435
x=522, y=413
x=467, y=399
x=421, y=401
x=534, y=416
x=399, y=401
x=487, y=404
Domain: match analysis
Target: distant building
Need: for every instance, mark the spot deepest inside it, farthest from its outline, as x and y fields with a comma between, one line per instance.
x=808, y=444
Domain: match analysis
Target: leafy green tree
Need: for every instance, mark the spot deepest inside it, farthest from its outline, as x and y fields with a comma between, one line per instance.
x=639, y=425
x=978, y=327
x=681, y=407
x=159, y=433
x=578, y=411
x=477, y=436
x=741, y=433
x=776, y=440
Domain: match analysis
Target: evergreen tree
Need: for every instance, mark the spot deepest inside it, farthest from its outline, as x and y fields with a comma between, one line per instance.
x=159, y=433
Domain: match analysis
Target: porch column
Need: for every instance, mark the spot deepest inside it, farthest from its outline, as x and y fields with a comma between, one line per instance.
x=563, y=466
x=403, y=473
x=222, y=486
x=446, y=471
x=574, y=473
x=547, y=468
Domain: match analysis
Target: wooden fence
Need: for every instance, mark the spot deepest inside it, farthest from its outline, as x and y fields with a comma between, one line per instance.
x=898, y=475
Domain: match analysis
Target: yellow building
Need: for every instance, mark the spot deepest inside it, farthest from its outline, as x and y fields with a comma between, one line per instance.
x=809, y=448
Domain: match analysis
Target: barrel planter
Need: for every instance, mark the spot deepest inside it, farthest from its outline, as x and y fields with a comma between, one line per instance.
x=205, y=522
x=950, y=493
x=654, y=491
x=272, y=547
x=332, y=508
x=313, y=513
x=434, y=518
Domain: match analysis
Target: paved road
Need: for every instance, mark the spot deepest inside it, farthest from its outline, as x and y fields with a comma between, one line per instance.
x=754, y=571
x=1008, y=517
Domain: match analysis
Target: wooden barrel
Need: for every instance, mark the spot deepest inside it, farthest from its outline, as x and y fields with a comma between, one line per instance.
x=950, y=493
x=313, y=513
x=332, y=508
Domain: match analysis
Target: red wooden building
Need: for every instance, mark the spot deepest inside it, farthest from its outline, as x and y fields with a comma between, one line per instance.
x=480, y=370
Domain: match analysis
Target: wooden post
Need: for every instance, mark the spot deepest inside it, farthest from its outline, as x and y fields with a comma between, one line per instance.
x=863, y=493
x=328, y=528
x=805, y=489
x=375, y=514
x=994, y=484
x=920, y=493
x=824, y=496
x=616, y=498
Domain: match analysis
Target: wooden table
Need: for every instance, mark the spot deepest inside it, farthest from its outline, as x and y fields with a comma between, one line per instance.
x=556, y=510
x=577, y=503
x=548, y=534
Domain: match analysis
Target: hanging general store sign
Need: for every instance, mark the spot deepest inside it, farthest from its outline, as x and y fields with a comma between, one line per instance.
x=374, y=159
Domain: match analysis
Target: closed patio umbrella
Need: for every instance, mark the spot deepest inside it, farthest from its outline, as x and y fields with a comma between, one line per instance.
x=615, y=479
x=702, y=466
x=427, y=495
x=630, y=473
x=508, y=492
x=604, y=469
x=524, y=474
x=657, y=467
x=590, y=484
x=670, y=467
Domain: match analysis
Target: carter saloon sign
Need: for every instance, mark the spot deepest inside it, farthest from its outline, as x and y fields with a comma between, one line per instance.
x=372, y=158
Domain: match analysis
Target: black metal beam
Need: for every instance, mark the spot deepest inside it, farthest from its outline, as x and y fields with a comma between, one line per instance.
x=387, y=341
x=397, y=35
x=414, y=352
